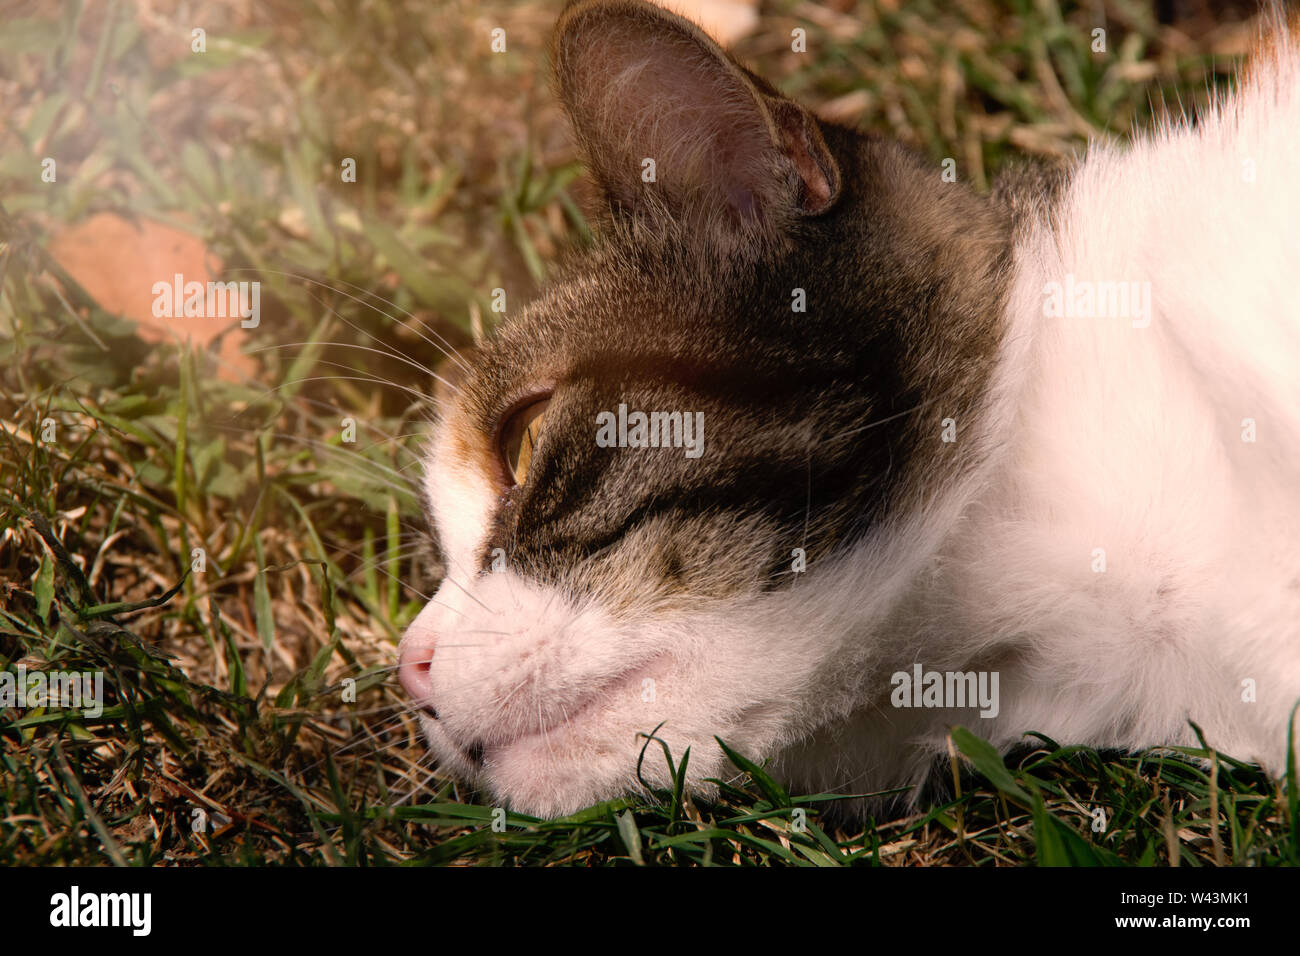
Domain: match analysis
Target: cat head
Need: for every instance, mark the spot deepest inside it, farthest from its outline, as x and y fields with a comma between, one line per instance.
x=672, y=493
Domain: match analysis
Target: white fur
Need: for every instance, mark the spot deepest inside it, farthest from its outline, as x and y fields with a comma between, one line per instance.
x=1099, y=435
x=1107, y=435
x=1130, y=439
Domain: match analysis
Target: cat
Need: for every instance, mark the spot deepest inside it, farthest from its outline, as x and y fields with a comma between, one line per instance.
x=1026, y=461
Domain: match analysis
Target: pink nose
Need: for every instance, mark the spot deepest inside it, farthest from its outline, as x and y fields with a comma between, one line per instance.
x=413, y=667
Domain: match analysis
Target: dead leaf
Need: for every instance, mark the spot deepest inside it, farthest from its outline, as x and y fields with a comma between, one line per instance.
x=724, y=20
x=118, y=260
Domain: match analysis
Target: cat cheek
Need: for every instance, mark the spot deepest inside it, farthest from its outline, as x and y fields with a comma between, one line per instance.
x=462, y=492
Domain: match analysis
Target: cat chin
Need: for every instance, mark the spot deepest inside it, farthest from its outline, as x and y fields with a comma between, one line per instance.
x=570, y=766
x=563, y=772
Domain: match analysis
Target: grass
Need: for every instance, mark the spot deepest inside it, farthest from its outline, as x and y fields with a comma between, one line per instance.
x=194, y=521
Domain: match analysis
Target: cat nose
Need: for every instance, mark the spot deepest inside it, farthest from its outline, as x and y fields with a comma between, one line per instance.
x=413, y=663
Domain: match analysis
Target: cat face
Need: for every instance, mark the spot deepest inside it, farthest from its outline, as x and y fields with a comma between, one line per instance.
x=667, y=491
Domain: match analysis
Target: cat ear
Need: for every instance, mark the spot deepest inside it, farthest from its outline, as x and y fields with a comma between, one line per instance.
x=670, y=124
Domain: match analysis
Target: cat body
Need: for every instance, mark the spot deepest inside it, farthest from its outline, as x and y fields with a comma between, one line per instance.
x=1041, y=448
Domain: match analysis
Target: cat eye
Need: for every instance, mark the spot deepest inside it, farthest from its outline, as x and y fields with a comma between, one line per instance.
x=519, y=436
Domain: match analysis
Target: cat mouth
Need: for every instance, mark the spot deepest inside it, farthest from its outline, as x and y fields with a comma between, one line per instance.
x=477, y=756
x=466, y=761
